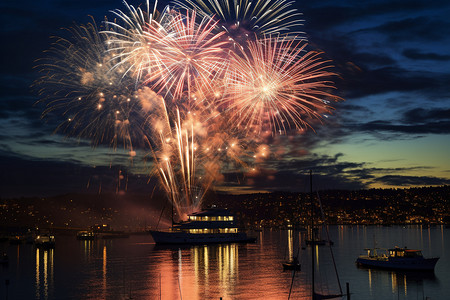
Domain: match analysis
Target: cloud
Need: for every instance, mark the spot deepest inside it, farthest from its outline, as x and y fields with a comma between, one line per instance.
x=421, y=115
x=401, y=180
x=292, y=174
x=421, y=28
x=26, y=176
x=413, y=121
x=387, y=126
x=327, y=15
x=418, y=55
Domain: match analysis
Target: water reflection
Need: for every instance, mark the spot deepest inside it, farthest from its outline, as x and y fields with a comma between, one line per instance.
x=214, y=266
x=218, y=260
x=404, y=284
x=104, y=261
x=87, y=248
x=44, y=273
x=290, y=245
x=134, y=268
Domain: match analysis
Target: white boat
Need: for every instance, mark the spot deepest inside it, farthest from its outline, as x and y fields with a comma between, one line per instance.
x=397, y=259
x=212, y=225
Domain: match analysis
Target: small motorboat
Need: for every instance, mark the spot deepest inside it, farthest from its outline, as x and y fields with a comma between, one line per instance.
x=86, y=235
x=292, y=265
x=45, y=241
x=397, y=259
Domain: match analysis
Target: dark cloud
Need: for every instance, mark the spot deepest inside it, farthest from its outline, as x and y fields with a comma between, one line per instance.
x=24, y=176
x=351, y=107
x=394, y=79
x=418, y=55
x=421, y=28
x=401, y=180
x=322, y=15
x=270, y=181
x=421, y=115
x=368, y=173
x=292, y=174
x=413, y=121
x=370, y=73
x=442, y=127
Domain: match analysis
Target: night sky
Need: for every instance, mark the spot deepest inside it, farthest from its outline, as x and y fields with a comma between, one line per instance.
x=392, y=130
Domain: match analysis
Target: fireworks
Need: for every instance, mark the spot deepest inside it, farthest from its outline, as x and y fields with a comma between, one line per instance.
x=79, y=82
x=127, y=40
x=193, y=55
x=241, y=19
x=274, y=85
x=173, y=83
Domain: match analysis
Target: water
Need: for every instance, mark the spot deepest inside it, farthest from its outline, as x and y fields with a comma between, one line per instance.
x=138, y=269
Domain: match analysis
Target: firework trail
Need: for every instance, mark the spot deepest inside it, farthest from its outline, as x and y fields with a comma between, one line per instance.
x=190, y=148
x=173, y=83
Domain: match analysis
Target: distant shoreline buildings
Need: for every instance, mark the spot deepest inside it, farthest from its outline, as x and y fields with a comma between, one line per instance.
x=426, y=205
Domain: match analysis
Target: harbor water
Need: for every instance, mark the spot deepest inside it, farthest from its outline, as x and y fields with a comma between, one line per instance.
x=136, y=268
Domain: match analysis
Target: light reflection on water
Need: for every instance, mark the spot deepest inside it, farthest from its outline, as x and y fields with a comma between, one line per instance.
x=136, y=268
x=44, y=278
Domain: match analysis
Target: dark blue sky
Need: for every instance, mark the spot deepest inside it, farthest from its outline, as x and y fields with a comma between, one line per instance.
x=392, y=130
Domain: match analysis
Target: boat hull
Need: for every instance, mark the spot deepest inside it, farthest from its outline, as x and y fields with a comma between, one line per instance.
x=162, y=237
x=424, y=264
x=291, y=266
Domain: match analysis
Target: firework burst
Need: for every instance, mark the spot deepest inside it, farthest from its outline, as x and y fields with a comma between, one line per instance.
x=132, y=51
x=77, y=82
x=274, y=84
x=193, y=55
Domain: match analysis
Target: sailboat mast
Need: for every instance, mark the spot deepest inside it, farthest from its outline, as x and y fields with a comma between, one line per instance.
x=312, y=233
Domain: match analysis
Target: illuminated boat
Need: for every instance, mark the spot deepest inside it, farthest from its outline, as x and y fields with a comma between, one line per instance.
x=397, y=259
x=292, y=265
x=86, y=235
x=45, y=241
x=212, y=225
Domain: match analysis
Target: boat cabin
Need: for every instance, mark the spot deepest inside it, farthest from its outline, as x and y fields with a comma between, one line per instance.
x=404, y=252
x=209, y=218
x=212, y=220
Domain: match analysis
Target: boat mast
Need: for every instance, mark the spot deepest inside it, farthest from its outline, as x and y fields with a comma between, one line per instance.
x=312, y=233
